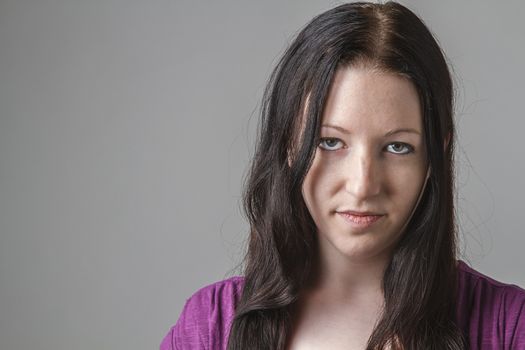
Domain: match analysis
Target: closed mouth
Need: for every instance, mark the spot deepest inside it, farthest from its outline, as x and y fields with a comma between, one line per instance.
x=360, y=219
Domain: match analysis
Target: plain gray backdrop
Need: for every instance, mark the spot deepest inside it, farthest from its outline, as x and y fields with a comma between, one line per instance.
x=126, y=128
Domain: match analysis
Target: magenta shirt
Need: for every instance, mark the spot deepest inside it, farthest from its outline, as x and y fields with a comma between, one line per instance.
x=490, y=313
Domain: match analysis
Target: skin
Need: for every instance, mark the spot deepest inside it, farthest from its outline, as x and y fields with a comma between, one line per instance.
x=356, y=167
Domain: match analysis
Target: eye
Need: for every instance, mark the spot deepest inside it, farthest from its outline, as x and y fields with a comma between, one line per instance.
x=330, y=144
x=400, y=148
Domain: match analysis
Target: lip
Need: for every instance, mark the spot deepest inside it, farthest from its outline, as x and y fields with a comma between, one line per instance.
x=360, y=220
x=359, y=213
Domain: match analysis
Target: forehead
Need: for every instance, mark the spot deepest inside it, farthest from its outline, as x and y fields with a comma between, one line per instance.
x=372, y=100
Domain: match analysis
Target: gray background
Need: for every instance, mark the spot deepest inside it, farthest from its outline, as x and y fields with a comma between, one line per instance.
x=125, y=131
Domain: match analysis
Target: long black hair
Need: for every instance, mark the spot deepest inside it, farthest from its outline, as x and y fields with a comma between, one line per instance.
x=419, y=284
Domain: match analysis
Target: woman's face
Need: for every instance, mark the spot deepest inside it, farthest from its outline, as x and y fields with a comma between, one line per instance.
x=370, y=165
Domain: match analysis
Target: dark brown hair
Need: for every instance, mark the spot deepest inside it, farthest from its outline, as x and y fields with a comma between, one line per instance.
x=419, y=284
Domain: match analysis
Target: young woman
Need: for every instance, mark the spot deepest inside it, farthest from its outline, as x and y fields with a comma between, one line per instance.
x=350, y=203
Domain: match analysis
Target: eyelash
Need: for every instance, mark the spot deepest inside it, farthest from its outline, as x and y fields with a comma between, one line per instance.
x=409, y=148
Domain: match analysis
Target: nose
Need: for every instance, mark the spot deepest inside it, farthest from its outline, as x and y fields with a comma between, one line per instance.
x=363, y=178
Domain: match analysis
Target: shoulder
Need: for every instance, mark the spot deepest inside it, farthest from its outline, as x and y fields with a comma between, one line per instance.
x=490, y=312
x=205, y=320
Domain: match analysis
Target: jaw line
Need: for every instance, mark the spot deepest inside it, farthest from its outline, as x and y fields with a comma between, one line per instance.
x=418, y=200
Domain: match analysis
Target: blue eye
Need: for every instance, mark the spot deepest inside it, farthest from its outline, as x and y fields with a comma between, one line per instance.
x=329, y=143
x=400, y=148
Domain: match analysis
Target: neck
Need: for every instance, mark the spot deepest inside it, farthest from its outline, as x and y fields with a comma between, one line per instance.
x=347, y=278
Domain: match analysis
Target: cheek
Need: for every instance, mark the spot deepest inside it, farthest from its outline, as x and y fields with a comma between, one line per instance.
x=317, y=185
x=405, y=184
x=320, y=180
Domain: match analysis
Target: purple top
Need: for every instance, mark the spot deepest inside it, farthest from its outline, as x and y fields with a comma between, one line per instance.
x=490, y=313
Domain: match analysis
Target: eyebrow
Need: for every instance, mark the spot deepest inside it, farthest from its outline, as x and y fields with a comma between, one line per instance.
x=389, y=133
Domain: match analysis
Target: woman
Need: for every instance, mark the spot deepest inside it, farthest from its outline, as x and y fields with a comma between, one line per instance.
x=350, y=202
